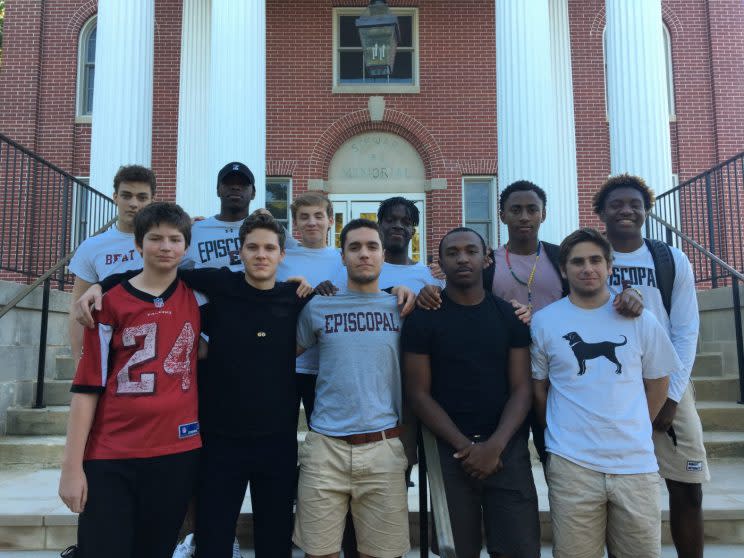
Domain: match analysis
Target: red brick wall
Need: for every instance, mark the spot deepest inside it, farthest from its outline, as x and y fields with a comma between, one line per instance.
x=452, y=121
x=726, y=27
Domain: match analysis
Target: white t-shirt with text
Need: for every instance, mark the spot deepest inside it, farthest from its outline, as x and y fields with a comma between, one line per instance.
x=596, y=361
x=102, y=255
x=683, y=323
x=214, y=244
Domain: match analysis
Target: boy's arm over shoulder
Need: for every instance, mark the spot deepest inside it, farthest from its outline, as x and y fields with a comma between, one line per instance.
x=685, y=323
x=658, y=357
x=206, y=279
x=92, y=370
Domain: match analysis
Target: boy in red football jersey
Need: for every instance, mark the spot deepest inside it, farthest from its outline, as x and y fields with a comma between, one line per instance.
x=133, y=437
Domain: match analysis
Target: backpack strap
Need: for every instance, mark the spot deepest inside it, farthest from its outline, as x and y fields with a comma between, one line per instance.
x=552, y=252
x=661, y=253
x=489, y=272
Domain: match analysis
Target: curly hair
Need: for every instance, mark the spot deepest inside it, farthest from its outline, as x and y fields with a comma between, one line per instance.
x=623, y=181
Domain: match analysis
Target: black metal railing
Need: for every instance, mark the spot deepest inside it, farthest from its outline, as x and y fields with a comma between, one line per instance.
x=721, y=272
x=45, y=213
x=707, y=209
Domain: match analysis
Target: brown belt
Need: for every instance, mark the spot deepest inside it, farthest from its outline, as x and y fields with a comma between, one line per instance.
x=369, y=437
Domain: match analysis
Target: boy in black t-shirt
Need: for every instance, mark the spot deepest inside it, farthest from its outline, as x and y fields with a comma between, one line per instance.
x=467, y=375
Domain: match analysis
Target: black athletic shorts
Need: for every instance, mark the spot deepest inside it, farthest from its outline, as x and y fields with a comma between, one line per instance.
x=135, y=507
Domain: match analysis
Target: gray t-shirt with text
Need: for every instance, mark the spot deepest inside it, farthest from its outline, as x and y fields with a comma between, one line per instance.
x=359, y=384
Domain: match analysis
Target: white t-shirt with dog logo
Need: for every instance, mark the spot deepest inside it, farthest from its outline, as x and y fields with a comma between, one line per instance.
x=596, y=361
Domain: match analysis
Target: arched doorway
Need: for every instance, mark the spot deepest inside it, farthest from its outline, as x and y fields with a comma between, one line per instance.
x=369, y=168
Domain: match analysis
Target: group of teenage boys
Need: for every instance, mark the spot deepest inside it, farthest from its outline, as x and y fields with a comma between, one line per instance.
x=606, y=361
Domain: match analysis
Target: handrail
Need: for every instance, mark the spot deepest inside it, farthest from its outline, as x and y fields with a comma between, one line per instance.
x=35, y=157
x=697, y=246
x=702, y=175
x=445, y=538
x=47, y=274
x=736, y=277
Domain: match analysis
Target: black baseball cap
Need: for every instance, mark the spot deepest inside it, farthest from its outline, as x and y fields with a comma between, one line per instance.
x=236, y=168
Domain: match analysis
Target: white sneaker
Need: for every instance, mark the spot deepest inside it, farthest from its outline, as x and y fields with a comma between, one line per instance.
x=186, y=549
x=236, y=549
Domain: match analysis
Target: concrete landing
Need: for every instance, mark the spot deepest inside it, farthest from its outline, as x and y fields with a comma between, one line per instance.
x=33, y=518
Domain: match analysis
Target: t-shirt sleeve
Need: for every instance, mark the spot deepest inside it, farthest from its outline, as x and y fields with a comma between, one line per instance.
x=306, y=336
x=82, y=264
x=659, y=358
x=538, y=355
x=417, y=331
x=519, y=333
x=92, y=371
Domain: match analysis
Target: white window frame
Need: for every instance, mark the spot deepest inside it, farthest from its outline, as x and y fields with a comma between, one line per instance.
x=85, y=32
x=493, y=203
x=288, y=179
x=376, y=87
x=669, y=72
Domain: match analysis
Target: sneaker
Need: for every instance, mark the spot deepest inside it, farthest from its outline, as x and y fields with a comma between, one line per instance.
x=236, y=549
x=186, y=549
x=69, y=552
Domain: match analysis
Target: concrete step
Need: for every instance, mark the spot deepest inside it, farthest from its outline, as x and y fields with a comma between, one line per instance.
x=56, y=392
x=33, y=518
x=724, y=444
x=49, y=421
x=721, y=416
x=22, y=452
x=52, y=420
x=708, y=364
x=716, y=388
x=64, y=368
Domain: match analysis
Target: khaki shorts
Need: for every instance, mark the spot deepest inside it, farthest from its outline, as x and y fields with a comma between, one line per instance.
x=683, y=461
x=370, y=477
x=588, y=508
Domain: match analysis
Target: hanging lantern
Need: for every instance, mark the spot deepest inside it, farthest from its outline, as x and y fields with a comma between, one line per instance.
x=379, y=34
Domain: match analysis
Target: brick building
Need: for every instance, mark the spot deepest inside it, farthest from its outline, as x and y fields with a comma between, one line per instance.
x=483, y=93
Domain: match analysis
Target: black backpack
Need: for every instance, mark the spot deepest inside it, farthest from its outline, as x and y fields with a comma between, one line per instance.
x=661, y=253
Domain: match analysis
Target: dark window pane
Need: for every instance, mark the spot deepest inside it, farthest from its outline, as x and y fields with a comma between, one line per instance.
x=91, y=47
x=88, y=89
x=347, y=31
x=482, y=229
x=403, y=68
x=477, y=201
x=351, y=66
x=406, y=31
x=276, y=199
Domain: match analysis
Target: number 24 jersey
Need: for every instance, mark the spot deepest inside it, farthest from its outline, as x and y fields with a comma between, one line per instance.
x=141, y=359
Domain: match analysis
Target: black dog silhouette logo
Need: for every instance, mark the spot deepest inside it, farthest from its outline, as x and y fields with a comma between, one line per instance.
x=584, y=351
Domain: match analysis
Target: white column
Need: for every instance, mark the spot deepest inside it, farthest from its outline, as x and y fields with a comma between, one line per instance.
x=563, y=199
x=122, y=104
x=637, y=92
x=526, y=101
x=196, y=184
x=237, y=92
